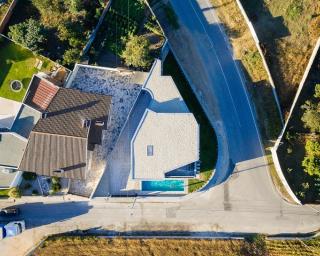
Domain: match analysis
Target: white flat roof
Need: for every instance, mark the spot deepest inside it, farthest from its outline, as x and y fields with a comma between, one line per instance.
x=8, y=112
x=164, y=142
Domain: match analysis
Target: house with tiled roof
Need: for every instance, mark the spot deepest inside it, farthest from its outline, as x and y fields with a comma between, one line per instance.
x=71, y=123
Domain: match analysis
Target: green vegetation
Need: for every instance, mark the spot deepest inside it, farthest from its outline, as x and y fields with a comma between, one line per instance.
x=55, y=185
x=208, y=140
x=17, y=63
x=311, y=115
x=67, y=24
x=4, y=9
x=14, y=192
x=253, y=246
x=295, y=9
x=4, y=192
x=29, y=34
x=123, y=19
x=137, y=53
x=311, y=162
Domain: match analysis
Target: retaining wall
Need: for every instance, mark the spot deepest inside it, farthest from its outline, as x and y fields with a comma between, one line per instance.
x=7, y=16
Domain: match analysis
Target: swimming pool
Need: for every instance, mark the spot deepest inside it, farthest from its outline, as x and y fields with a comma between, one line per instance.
x=162, y=185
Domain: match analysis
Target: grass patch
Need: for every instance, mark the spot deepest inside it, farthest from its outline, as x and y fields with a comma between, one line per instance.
x=208, y=140
x=17, y=63
x=91, y=245
x=4, y=192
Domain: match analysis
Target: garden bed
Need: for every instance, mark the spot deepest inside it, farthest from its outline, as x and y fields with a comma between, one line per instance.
x=18, y=63
x=292, y=151
x=4, y=8
x=124, y=18
x=65, y=27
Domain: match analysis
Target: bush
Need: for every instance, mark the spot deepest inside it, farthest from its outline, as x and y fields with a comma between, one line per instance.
x=29, y=176
x=137, y=53
x=256, y=246
x=14, y=192
x=295, y=9
x=55, y=180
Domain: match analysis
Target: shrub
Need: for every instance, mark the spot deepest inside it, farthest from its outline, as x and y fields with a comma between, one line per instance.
x=55, y=180
x=55, y=187
x=30, y=33
x=29, y=176
x=137, y=53
x=71, y=56
x=311, y=162
x=295, y=9
x=256, y=246
x=14, y=192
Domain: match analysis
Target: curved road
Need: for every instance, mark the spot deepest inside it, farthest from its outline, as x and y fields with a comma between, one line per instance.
x=246, y=202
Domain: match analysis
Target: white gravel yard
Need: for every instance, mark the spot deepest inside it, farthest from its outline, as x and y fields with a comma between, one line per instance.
x=124, y=88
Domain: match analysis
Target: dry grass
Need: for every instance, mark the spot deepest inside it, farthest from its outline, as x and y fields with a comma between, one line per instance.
x=87, y=246
x=288, y=30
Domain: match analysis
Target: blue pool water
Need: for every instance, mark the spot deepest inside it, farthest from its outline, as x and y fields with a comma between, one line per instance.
x=163, y=185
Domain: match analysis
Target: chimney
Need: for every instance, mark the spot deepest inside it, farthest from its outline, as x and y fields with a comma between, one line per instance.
x=44, y=115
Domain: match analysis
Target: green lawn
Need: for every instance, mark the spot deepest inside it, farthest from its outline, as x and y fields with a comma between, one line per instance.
x=17, y=63
x=208, y=140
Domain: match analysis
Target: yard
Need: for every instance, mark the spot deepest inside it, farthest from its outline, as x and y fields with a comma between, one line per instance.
x=208, y=141
x=124, y=18
x=18, y=63
x=91, y=245
x=287, y=30
x=292, y=150
x=4, y=8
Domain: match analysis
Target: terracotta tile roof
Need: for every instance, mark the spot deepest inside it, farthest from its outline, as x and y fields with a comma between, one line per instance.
x=41, y=93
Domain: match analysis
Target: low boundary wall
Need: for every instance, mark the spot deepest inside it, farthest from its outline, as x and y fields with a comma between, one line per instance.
x=7, y=16
x=278, y=142
x=257, y=42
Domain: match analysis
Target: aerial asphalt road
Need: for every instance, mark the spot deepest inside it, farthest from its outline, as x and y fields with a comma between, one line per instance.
x=246, y=202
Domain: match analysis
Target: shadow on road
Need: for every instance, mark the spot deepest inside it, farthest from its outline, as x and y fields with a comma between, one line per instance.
x=40, y=214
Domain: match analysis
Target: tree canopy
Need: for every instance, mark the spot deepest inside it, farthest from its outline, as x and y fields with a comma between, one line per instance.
x=311, y=162
x=136, y=53
x=29, y=33
x=311, y=115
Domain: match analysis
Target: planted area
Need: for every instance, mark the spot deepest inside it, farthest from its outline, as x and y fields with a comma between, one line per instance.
x=255, y=246
x=57, y=29
x=208, y=140
x=18, y=63
x=4, y=6
x=127, y=23
x=287, y=31
x=299, y=153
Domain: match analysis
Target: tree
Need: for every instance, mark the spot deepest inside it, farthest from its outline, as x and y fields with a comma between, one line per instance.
x=29, y=33
x=71, y=56
x=136, y=53
x=75, y=6
x=317, y=91
x=311, y=116
x=311, y=162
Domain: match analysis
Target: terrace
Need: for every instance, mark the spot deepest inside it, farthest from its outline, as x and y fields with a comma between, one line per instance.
x=18, y=64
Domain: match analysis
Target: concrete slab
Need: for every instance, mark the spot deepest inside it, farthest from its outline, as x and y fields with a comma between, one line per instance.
x=8, y=112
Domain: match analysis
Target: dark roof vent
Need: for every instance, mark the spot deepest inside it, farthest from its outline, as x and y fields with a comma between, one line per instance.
x=85, y=123
x=44, y=115
x=59, y=171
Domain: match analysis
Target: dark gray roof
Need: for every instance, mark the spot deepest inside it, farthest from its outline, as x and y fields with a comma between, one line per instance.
x=47, y=153
x=59, y=141
x=68, y=108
